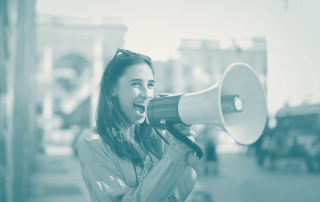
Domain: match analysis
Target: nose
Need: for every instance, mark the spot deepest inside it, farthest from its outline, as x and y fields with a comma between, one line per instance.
x=145, y=92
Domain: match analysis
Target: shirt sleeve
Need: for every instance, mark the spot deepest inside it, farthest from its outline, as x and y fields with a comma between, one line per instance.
x=185, y=187
x=170, y=178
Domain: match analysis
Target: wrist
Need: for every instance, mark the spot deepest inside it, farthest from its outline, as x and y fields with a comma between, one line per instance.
x=177, y=153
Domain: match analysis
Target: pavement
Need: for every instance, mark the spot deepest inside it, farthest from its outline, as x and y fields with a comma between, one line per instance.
x=57, y=179
x=239, y=179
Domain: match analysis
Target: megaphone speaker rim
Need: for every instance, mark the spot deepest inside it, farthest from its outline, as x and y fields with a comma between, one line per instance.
x=226, y=72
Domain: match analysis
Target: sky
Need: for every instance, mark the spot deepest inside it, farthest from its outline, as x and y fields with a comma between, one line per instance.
x=155, y=28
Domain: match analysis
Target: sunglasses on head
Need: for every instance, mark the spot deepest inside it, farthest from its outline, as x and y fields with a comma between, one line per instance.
x=129, y=53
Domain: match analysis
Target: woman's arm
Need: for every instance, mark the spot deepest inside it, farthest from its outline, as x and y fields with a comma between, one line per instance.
x=107, y=184
x=185, y=187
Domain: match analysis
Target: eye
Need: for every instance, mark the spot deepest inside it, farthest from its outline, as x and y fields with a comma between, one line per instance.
x=135, y=84
x=151, y=85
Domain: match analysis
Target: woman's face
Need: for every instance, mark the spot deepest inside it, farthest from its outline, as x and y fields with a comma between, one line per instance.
x=134, y=90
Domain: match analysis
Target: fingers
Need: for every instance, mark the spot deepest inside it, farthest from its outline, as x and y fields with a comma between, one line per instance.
x=191, y=158
x=184, y=129
x=192, y=133
x=181, y=145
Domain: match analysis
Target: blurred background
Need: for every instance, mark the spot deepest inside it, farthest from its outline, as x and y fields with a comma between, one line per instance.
x=53, y=53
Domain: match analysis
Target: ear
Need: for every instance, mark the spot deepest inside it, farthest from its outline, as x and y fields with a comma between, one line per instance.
x=114, y=93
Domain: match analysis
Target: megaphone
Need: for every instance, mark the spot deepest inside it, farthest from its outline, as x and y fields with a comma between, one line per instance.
x=236, y=104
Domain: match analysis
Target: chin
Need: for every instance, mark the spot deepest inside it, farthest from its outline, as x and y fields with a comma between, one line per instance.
x=140, y=121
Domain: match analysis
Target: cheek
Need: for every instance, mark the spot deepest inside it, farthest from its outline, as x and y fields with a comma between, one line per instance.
x=127, y=96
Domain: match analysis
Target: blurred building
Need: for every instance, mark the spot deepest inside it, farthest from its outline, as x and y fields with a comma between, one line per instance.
x=304, y=118
x=164, y=76
x=84, y=37
x=72, y=54
x=300, y=123
x=202, y=62
x=50, y=68
x=17, y=117
x=198, y=64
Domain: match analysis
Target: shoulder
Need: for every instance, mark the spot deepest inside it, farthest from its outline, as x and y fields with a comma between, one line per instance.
x=88, y=136
x=91, y=147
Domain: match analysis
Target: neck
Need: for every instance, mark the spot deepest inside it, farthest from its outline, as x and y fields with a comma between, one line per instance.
x=130, y=129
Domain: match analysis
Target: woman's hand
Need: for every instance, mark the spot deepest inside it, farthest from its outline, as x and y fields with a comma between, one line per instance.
x=191, y=157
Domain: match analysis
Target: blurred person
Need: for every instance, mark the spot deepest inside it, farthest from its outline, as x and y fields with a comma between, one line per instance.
x=210, y=157
x=262, y=146
x=209, y=163
x=122, y=159
x=269, y=151
x=313, y=159
x=296, y=150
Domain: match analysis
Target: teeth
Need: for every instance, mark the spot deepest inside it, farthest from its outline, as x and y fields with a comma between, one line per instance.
x=141, y=104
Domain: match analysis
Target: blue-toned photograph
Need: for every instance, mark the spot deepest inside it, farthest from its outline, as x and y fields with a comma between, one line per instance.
x=159, y=101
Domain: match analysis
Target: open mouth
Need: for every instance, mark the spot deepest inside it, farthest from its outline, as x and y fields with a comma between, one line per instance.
x=139, y=107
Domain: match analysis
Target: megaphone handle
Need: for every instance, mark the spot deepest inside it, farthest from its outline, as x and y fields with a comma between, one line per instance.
x=184, y=139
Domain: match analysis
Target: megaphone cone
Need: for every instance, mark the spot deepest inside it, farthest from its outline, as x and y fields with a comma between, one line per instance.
x=244, y=125
x=236, y=104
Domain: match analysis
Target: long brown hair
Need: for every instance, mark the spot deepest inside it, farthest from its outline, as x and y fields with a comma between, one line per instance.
x=110, y=119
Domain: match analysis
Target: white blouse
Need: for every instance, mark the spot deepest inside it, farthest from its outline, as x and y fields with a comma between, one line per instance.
x=109, y=178
x=149, y=164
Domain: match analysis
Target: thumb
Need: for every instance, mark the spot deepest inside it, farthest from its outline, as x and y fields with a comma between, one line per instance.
x=191, y=158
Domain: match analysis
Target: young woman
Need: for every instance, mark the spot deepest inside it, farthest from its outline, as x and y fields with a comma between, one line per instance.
x=122, y=158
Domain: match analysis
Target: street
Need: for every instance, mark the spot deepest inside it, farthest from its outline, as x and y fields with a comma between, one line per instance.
x=239, y=179
x=58, y=178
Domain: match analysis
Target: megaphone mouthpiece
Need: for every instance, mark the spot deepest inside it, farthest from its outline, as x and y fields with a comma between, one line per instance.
x=164, y=108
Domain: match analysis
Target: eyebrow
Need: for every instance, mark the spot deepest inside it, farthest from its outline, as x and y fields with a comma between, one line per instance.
x=132, y=80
